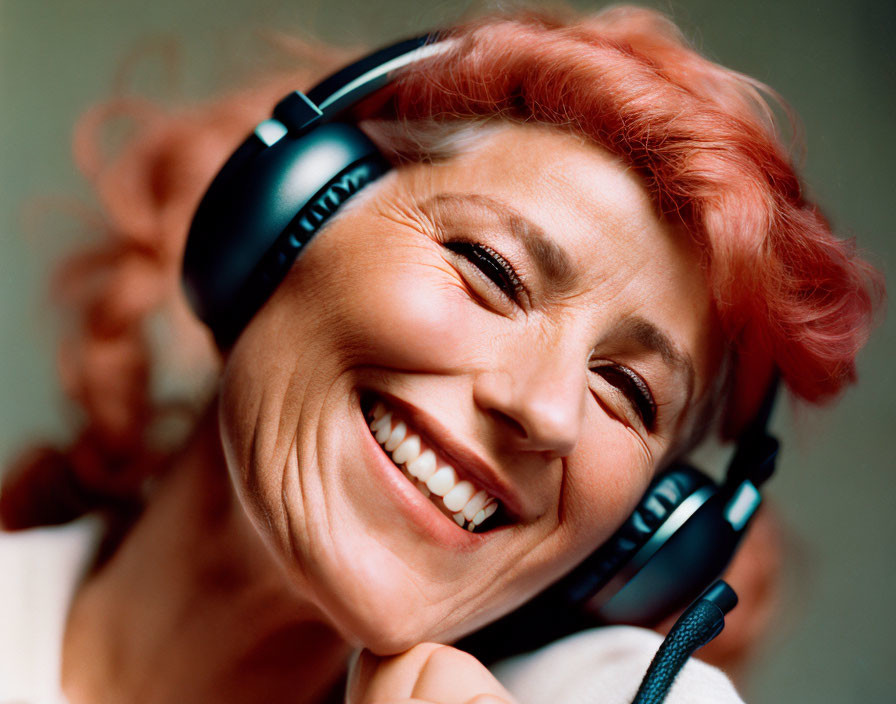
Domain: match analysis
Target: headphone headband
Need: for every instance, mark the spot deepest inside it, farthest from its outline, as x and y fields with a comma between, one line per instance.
x=352, y=84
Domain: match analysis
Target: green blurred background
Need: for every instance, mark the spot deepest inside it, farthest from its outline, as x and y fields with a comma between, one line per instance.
x=833, y=61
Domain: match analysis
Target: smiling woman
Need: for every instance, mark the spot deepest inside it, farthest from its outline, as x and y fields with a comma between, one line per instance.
x=404, y=301
x=587, y=252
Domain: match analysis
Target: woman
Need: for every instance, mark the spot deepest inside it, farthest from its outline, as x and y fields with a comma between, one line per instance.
x=593, y=249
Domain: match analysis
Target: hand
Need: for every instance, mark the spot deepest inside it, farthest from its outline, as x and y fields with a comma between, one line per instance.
x=428, y=673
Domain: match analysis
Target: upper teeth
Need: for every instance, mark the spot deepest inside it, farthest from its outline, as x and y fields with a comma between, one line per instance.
x=468, y=505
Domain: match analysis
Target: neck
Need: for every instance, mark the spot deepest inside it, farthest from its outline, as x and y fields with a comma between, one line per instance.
x=192, y=606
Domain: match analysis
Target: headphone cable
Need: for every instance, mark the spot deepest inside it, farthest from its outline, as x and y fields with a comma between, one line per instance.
x=700, y=623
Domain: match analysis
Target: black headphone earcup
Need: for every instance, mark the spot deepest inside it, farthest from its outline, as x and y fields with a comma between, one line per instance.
x=692, y=548
x=665, y=494
x=273, y=267
x=286, y=179
x=262, y=208
x=597, y=578
x=561, y=609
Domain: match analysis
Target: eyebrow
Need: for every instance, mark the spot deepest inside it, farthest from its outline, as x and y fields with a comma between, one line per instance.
x=653, y=338
x=551, y=260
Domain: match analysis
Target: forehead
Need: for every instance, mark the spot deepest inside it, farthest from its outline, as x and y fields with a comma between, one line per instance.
x=574, y=190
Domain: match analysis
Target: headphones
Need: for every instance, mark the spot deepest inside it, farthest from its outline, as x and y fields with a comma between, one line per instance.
x=279, y=188
x=267, y=202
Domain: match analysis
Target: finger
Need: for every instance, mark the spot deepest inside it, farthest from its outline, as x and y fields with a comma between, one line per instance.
x=375, y=678
x=451, y=676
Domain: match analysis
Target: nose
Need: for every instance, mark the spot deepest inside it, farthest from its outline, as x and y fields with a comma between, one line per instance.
x=536, y=400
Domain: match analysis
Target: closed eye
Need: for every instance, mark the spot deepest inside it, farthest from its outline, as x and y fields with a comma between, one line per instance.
x=491, y=265
x=636, y=391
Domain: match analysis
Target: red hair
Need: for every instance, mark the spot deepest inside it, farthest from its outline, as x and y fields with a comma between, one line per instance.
x=789, y=294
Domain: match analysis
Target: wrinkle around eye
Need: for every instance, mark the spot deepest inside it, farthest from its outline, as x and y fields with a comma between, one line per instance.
x=621, y=417
x=643, y=449
x=408, y=215
x=641, y=444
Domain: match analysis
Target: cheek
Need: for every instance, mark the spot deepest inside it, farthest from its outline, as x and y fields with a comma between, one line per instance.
x=243, y=438
x=259, y=405
x=607, y=476
x=418, y=327
x=410, y=314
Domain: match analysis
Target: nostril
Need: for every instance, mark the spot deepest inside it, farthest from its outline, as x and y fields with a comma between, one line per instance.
x=509, y=424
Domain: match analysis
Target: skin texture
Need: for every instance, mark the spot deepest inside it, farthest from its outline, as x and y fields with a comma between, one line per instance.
x=378, y=304
x=317, y=543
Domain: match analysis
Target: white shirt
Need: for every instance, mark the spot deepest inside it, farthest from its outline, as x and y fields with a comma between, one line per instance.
x=39, y=572
x=606, y=666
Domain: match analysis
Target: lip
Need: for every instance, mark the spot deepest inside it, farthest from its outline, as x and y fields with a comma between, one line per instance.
x=416, y=508
x=466, y=462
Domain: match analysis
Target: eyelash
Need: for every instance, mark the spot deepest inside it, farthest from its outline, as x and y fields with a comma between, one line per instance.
x=499, y=271
x=634, y=388
x=493, y=266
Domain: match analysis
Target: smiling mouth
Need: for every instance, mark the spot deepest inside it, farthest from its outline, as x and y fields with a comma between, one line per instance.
x=460, y=499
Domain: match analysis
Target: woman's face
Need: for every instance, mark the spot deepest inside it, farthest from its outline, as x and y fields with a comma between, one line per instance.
x=525, y=315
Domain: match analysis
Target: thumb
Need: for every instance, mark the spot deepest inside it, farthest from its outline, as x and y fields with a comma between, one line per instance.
x=428, y=673
x=452, y=676
x=374, y=678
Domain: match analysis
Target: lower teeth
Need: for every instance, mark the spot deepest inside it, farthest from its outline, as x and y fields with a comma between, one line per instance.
x=458, y=518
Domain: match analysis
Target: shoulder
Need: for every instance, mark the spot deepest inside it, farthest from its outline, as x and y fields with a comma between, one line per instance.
x=605, y=666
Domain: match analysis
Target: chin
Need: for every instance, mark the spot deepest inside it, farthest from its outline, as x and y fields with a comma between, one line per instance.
x=387, y=618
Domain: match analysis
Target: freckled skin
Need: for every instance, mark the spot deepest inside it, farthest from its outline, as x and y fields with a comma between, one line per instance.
x=377, y=303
